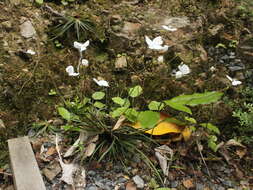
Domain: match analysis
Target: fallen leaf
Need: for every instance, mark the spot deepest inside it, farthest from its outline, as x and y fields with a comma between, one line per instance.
x=68, y=170
x=164, y=127
x=51, y=151
x=82, y=137
x=90, y=149
x=188, y=183
x=131, y=186
x=2, y=124
x=119, y=122
x=241, y=152
x=164, y=154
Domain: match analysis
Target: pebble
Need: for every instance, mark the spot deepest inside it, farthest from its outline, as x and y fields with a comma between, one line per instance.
x=174, y=184
x=92, y=187
x=138, y=181
x=27, y=30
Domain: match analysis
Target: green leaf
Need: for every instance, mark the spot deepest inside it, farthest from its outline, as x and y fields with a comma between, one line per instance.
x=175, y=121
x=135, y=91
x=190, y=119
x=178, y=106
x=212, y=143
x=163, y=188
x=71, y=128
x=211, y=127
x=52, y=92
x=148, y=119
x=197, y=98
x=40, y=2
x=156, y=106
x=64, y=113
x=98, y=95
x=123, y=102
x=99, y=105
x=118, y=112
x=131, y=114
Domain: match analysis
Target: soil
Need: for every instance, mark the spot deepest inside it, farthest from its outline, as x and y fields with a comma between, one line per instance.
x=119, y=54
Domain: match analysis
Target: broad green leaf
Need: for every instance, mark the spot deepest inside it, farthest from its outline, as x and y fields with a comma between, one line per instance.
x=148, y=119
x=123, y=102
x=118, y=100
x=98, y=95
x=135, y=91
x=178, y=106
x=156, y=106
x=64, y=113
x=190, y=119
x=197, y=98
x=118, y=112
x=175, y=121
x=99, y=105
x=40, y=2
x=131, y=114
x=211, y=127
x=212, y=143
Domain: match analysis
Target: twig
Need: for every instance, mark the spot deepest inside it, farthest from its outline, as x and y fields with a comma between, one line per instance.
x=202, y=157
x=50, y=9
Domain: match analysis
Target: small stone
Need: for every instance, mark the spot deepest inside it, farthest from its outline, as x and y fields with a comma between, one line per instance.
x=200, y=186
x=138, y=181
x=91, y=173
x=27, y=30
x=121, y=62
x=174, y=184
x=92, y=187
x=7, y=25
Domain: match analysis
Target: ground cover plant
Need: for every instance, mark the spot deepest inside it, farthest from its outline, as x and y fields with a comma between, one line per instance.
x=129, y=94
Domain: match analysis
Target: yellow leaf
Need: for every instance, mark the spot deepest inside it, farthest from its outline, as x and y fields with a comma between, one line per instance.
x=165, y=127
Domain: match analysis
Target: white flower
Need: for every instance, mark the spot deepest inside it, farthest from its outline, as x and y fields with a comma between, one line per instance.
x=101, y=82
x=156, y=43
x=81, y=46
x=160, y=59
x=70, y=70
x=169, y=28
x=29, y=51
x=85, y=62
x=183, y=70
x=234, y=81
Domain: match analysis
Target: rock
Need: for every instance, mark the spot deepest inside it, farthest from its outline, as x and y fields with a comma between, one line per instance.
x=6, y=25
x=174, y=184
x=138, y=181
x=177, y=22
x=27, y=30
x=121, y=62
x=92, y=187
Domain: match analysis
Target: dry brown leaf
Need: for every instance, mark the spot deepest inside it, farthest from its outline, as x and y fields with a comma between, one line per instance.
x=51, y=151
x=119, y=122
x=131, y=186
x=164, y=155
x=241, y=152
x=188, y=183
x=82, y=137
x=90, y=149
